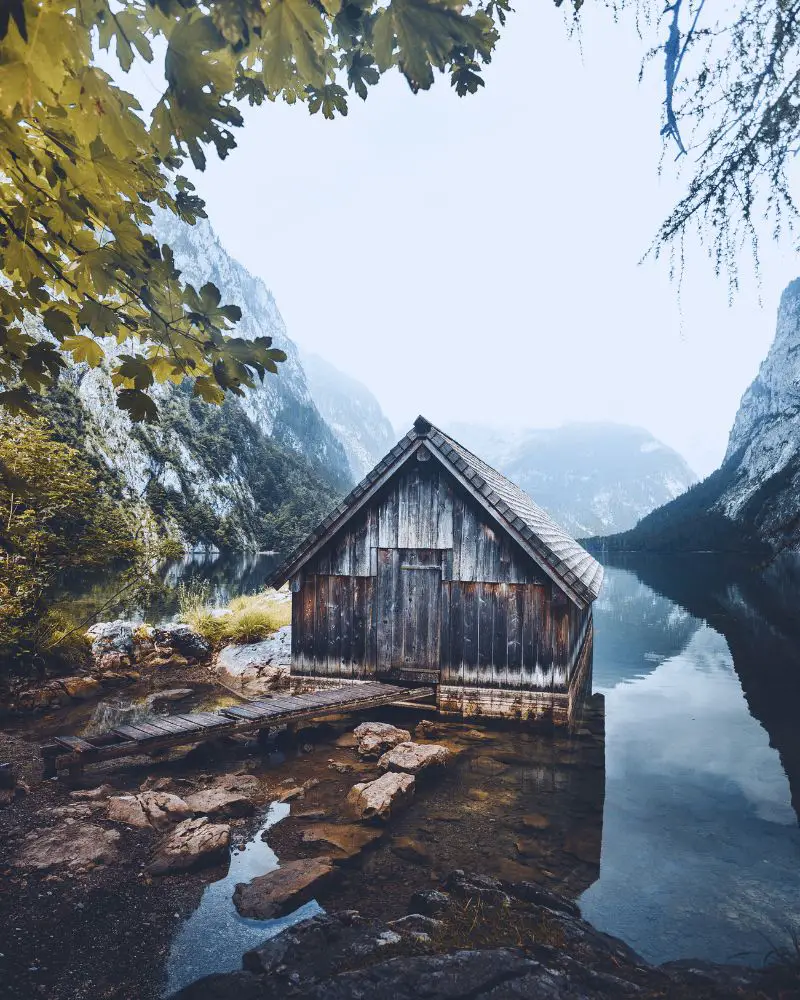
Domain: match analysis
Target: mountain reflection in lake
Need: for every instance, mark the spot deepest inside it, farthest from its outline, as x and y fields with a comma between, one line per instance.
x=701, y=848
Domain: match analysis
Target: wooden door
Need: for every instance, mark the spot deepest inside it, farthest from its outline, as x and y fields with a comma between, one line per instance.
x=409, y=605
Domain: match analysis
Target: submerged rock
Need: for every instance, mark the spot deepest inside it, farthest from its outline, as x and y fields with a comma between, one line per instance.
x=375, y=738
x=80, y=688
x=349, y=838
x=160, y=698
x=72, y=844
x=410, y=850
x=413, y=757
x=380, y=798
x=287, y=887
x=193, y=843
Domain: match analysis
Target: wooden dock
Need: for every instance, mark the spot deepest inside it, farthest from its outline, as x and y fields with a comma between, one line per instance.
x=72, y=753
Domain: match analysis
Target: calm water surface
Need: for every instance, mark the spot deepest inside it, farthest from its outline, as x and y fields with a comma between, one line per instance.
x=701, y=847
x=699, y=664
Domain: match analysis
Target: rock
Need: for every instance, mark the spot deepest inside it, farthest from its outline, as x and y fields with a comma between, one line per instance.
x=148, y=809
x=468, y=886
x=247, y=784
x=530, y=892
x=375, y=738
x=112, y=637
x=160, y=698
x=223, y=986
x=418, y=926
x=529, y=848
x=193, y=843
x=100, y=792
x=111, y=665
x=76, y=845
x=379, y=799
x=535, y=821
x=76, y=810
x=40, y=697
x=292, y=793
x=349, y=838
x=413, y=757
x=310, y=814
x=80, y=688
x=342, y=766
x=182, y=640
x=488, y=765
x=259, y=666
x=318, y=947
x=410, y=850
x=285, y=888
x=127, y=809
x=431, y=902
x=220, y=802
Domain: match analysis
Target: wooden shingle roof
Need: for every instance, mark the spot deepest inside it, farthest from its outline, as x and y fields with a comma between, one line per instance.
x=550, y=546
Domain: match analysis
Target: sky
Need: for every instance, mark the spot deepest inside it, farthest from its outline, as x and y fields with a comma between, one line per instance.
x=479, y=259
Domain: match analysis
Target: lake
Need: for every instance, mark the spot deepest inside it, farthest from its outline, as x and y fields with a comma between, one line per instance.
x=699, y=663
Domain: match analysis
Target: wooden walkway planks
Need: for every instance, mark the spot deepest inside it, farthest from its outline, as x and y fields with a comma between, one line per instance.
x=164, y=732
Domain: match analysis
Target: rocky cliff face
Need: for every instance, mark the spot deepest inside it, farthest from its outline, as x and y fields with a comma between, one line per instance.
x=752, y=502
x=352, y=412
x=258, y=471
x=594, y=479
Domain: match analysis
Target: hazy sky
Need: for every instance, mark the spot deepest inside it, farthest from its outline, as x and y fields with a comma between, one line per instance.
x=478, y=258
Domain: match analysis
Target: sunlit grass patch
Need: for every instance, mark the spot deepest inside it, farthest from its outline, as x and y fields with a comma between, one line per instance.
x=250, y=618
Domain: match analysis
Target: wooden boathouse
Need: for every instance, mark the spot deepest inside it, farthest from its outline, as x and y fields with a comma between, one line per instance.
x=439, y=571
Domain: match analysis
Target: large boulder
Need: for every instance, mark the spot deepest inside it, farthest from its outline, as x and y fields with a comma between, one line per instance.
x=380, y=798
x=183, y=640
x=71, y=844
x=375, y=738
x=258, y=667
x=148, y=809
x=413, y=757
x=112, y=637
x=285, y=888
x=193, y=843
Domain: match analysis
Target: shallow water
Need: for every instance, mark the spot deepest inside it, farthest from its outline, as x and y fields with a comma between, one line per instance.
x=214, y=937
x=680, y=836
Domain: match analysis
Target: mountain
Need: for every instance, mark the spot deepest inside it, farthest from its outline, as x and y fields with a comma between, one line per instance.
x=752, y=502
x=352, y=412
x=258, y=471
x=594, y=479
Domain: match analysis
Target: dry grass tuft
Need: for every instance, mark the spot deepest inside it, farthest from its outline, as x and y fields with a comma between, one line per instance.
x=247, y=619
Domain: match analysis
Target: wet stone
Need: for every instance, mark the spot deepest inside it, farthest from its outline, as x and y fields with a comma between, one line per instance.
x=193, y=843
x=375, y=738
x=380, y=798
x=349, y=838
x=410, y=850
x=413, y=757
x=220, y=802
x=285, y=888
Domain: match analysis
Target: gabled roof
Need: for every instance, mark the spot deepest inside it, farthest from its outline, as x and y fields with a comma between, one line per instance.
x=559, y=556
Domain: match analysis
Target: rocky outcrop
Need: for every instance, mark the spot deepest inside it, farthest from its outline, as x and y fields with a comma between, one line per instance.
x=533, y=944
x=285, y=888
x=194, y=843
x=375, y=738
x=381, y=798
x=414, y=757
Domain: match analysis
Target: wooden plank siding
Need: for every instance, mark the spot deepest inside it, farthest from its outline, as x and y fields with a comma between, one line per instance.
x=419, y=586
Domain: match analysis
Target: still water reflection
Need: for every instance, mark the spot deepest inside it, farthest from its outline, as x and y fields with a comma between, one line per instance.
x=701, y=848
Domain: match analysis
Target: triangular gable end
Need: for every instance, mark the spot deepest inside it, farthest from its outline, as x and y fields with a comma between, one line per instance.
x=559, y=556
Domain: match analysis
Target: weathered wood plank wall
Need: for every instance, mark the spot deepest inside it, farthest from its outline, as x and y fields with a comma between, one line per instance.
x=420, y=586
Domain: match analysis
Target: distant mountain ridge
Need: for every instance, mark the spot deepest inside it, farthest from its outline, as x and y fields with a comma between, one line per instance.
x=752, y=502
x=593, y=478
